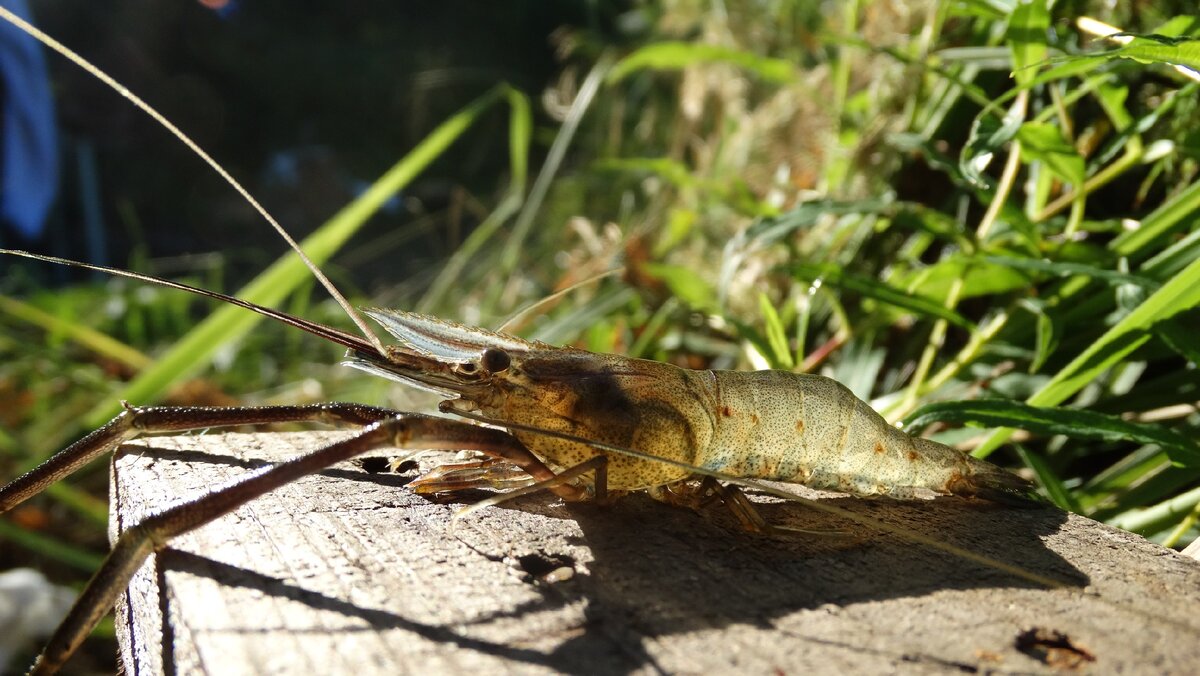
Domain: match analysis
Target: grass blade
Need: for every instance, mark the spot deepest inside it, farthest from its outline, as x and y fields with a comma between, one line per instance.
x=781, y=356
x=873, y=288
x=95, y=341
x=1046, y=420
x=1064, y=269
x=51, y=548
x=1180, y=293
x=227, y=324
x=679, y=55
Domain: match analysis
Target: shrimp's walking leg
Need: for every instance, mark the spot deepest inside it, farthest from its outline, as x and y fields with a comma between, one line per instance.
x=462, y=476
x=498, y=474
x=597, y=464
x=696, y=496
x=750, y=518
x=136, y=421
x=742, y=509
x=134, y=545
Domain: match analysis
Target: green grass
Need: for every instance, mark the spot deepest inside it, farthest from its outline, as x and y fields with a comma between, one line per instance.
x=979, y=218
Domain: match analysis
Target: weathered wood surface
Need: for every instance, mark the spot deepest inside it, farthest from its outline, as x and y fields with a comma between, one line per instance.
x=349, y=572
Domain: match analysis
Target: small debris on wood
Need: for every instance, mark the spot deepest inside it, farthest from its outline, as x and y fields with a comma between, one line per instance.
x=547, y=568
x=1053, y=648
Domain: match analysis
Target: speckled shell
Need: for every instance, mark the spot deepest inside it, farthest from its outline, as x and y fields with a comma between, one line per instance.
x=775, y=425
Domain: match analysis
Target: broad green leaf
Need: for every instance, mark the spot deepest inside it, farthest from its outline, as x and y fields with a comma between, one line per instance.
x=1179, y=26
x=1045, y=142
x=1026, y=37
x=1147, y=49
x=988, y=134
x=1161, y=49
x=880, y=291
x=679, y=55
x=979, y=278
x=1046, y=420
x=679, y=223
x=1063, y=67
x=686, y=285
x=1113, y=97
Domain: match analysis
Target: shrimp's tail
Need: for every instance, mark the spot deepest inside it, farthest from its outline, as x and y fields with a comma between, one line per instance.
x=987, y=481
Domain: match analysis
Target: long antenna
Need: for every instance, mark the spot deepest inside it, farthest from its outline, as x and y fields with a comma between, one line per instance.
x=158, y=117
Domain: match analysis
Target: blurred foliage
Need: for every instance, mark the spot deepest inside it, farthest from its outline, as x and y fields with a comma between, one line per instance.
x=978, y=214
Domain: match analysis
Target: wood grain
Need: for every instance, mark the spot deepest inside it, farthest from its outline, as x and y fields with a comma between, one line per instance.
x=349, y=572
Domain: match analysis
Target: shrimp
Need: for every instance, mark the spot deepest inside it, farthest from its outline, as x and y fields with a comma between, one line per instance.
x=773, y=425
x=579, y=423
x=569, y=406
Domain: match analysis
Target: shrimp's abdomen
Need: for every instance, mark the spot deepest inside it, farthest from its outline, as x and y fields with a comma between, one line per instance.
x=811, y=430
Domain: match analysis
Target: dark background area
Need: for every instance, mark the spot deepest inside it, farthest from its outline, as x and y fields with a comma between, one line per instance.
x=306, y=103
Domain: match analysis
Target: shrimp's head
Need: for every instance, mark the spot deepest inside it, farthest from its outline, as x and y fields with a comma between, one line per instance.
x=527, y=384
x=449, y=359
x=501, y=376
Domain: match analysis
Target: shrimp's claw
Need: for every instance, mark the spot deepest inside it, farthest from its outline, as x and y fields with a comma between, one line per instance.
x=462, y=476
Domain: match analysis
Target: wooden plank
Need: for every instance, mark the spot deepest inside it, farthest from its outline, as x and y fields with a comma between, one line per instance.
x=349, y=572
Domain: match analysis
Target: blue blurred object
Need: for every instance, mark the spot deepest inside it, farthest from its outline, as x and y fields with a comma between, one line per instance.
x=224, y=9
x=28, y=135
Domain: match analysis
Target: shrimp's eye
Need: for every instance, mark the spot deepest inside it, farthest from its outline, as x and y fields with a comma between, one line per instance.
x=495, y=361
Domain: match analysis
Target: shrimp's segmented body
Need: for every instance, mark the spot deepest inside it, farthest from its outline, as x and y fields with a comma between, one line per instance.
x=811, y=430
x=774, y=425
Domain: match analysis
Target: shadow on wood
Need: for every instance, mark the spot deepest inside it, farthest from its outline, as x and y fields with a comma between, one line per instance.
x=348, y=571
